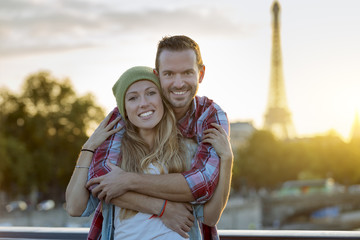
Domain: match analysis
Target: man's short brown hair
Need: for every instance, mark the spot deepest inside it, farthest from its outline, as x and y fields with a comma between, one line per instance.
x=178, y=43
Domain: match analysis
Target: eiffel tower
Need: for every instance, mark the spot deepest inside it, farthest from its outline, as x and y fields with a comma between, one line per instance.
x=277, y=118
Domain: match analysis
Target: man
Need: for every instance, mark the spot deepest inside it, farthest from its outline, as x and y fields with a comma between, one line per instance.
x=180, y=69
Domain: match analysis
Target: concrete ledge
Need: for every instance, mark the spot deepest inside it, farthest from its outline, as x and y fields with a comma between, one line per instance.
x=287, y=234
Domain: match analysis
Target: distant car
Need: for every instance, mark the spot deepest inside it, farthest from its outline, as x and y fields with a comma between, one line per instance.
x=46, y=205
x=302, y=187
x=16, y=205
x=354, y=188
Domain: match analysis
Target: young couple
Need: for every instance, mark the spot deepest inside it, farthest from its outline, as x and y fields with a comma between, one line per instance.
x=148, y=197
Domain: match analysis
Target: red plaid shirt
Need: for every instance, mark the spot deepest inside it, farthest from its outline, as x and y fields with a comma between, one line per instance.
x=204, y=173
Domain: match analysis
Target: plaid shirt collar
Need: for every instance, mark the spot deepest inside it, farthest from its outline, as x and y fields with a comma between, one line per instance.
x=186, y=121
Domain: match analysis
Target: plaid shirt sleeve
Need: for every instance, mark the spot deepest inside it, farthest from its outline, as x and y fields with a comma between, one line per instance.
x=204, y=174
x=109, y=150
x=96, y=225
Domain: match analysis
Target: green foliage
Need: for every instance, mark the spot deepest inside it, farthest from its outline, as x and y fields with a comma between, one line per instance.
x=267, y=162
x=15, y=166
x=44, y=128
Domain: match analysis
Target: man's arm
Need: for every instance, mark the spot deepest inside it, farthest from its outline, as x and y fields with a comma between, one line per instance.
x=213, y=209
x=166, y=186
x=221, y=142
x=197, y=184
x=204, y=175
x=200, y=182
x=117, y=182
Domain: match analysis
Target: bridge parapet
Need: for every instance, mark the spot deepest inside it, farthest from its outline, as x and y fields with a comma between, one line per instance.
x=35, y=233
x=276, y=210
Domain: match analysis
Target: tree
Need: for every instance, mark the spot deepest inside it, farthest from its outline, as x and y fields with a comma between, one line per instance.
x=261, y=161
x=49, y=122
x=15, y=166
x=265, y=162
x=334, y=158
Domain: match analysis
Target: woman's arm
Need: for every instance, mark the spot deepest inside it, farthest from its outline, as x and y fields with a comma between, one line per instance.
x=77, y=194
x=213, y=209
x=177, y=216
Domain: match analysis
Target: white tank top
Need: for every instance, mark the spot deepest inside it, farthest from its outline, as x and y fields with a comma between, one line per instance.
x=141, y=226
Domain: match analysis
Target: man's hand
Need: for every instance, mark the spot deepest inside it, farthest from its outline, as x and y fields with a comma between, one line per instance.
x=178, y=217
x=111, y=185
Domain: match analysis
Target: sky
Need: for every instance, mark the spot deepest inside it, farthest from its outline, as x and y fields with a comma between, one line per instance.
x=92, y=42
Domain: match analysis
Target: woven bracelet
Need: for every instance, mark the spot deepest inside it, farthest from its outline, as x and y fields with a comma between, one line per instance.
x=87, y=150
x=77, y=166
x=163, y=209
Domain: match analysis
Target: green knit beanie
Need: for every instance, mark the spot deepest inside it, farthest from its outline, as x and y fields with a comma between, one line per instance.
x=129, y=77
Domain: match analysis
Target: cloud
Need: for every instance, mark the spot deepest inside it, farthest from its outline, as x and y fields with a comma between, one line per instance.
x=54, y=25
x=209, y=22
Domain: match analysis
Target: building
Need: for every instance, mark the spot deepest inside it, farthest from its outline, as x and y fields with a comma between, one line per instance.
x=240, y=132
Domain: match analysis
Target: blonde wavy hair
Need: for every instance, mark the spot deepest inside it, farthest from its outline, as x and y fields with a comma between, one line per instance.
x=168, y=152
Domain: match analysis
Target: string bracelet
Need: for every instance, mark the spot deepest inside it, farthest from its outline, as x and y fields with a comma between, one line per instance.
x=87, y=150
x=161, y=211
x=77, y=166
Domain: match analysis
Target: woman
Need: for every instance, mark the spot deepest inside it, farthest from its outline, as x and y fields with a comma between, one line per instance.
x=151, y=144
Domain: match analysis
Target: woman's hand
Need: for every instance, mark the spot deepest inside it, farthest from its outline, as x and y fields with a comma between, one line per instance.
x=178, y=217
x=102, y=132
x=220, y=141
